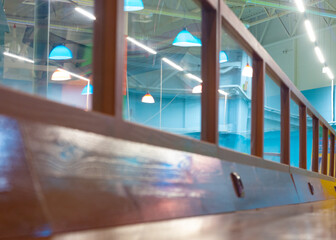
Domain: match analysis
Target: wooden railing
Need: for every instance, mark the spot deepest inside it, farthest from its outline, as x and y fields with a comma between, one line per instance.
x=215, y=15
x=107, y=99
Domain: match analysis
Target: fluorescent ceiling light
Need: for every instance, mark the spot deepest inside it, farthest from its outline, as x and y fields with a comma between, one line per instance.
x=329, y=73
x=319, y=55
x=139, y=44
x=191, y=76
x=310, y=30
x=85, y=13
x=174, y=65
x=300, y=5
x=18, y=57
x=75, y=75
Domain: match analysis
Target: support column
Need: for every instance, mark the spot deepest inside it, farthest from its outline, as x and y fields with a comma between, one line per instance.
x=257, y=108
x=41, y=47
x=211, y=35
x=315, y=144
x=332, y=155
x=108, y=64
x=303, y=137
x=325, y=151
x=285, y=125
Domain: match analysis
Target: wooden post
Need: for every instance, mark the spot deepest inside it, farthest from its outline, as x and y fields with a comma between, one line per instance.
x=325, y=151
x=211, y=35
x=303, y=137
x=316, y=137
x=257, y=108
x=285, y=125
x=108, y=64
x=332, y=155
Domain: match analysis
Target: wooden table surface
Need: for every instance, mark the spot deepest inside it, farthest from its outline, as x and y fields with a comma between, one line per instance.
x=315, y=221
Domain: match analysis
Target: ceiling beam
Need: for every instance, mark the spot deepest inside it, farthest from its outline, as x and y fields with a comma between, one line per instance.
x=287, y=6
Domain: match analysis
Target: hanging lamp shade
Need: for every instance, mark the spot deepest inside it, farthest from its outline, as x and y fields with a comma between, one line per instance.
x=186, y=39
x=197, y=89
x=247, y=71
x=223, y=57
x=60, y=75
x=88, y=89
x=133, y=5
x=60, y=53
x=148, y=98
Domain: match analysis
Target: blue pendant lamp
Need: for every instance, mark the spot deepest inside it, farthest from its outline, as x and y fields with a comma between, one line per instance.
x=85, y=90
x=223, y=57
x=60, y=53
x=186, y=39
x=133, y=5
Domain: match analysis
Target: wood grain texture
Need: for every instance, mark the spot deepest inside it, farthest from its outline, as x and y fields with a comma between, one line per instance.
x=325, y=143
x=210, y=74
x=285, y=125
x=316, y=136
x=257, y=108
x=303, y=137
x=108, y=64
x=332, y=155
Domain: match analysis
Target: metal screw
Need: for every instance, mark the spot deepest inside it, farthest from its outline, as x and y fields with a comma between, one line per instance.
x=237, y=185
x=311, y=188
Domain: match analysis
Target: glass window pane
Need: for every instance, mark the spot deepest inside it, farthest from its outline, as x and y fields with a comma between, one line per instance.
x=235, y=96
x=294, y=134
x=320, y=149
x=272, y=124
x=46, y=49
x=163, y=82
x=309, y=142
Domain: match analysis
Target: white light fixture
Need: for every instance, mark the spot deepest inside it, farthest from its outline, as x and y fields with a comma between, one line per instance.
x=191, y=76
x=147, y=98
x=197, y=89
x=18, y=57
x=324, y=69
x=85, y=13
x=300, y=5
x=319, y=55
x=174, y=65
x=247, y=71
x=75, y=75
x=60, y=75
x=310, y=30
x=329, y=73
x=139, y=44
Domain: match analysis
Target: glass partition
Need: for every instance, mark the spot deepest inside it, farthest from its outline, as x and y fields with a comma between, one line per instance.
x=234, y=96
x=294, y=134
x=272, y=120
x=309, y=142
x=46, y=49
x=163, y=83
x=320, y=149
